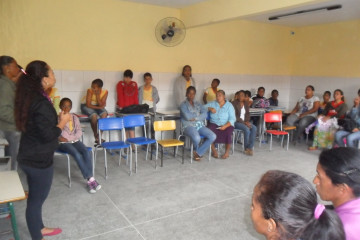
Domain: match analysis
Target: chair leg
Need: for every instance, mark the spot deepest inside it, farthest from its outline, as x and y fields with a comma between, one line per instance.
x=120, y=154
x=135, y=158
x=162, y=156
x=191, y=152
x=287, y=146
x=130, y=160
x=69, y=173
x=93, y=162
x=270, y=142
x=209, y=153
x=156, y=157
x=147, y=151
x=183, y=153
x=106, y=175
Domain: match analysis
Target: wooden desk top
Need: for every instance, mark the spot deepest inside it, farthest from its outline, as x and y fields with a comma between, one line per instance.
x=11, y=189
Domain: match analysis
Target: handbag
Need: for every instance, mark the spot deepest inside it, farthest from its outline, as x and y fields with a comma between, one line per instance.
x=347, y=124
x=136, y=108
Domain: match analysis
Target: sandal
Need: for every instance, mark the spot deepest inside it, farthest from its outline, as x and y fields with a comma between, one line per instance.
x=215, y=155
x=196, y=156
x=312, y=148
x=225, y=156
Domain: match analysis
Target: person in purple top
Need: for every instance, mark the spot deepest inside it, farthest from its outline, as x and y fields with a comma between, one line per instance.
x=338, y=181
x=70, y=142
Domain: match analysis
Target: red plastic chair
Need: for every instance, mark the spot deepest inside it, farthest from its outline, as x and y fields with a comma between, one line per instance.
x=275, y=118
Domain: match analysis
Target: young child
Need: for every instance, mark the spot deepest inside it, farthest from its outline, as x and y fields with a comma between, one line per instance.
x=273, y=100
x=70, y=143
x=248, y=98
x=148, y=93
x=326, y=99
x=210, y=93
x=93, y=105
x=127, y=94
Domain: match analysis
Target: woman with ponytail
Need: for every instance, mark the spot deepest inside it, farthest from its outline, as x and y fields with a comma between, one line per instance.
x=284, y=207
x=338, y=181
x=36, y=118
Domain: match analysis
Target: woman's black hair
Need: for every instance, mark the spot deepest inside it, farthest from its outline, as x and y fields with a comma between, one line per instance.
x=128, y=73
x=63, y=100
x=274, y=91
x=342, y=166
x=183, y=70
x=247, y=93
x=98, y=82
x=261, y=88
x=191, y=88
x=328, y=93
x=28, y=88
x=310, y=86
x=217, y=80
x=341, y=92
x=290, y=200
x=4, y=61
x=147, y=75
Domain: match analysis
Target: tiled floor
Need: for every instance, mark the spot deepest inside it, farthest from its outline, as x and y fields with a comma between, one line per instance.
x=203, y=200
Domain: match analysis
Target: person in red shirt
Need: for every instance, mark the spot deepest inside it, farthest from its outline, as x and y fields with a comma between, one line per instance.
x=127, y=94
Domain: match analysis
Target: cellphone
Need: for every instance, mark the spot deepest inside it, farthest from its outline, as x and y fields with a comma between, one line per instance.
x=218, y=127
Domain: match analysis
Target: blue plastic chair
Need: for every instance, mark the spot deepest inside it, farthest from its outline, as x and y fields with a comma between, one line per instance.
x=138, y=121
x=68, y=162
x=113, y=124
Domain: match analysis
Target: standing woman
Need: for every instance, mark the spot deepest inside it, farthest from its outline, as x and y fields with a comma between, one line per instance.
x=182, y=83
x=222, y=118
x=9, y=74
x=338, y=181
x=36, y=118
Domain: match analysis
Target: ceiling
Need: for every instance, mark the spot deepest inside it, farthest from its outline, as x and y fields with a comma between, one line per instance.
x=350, y=10
x=169, y=3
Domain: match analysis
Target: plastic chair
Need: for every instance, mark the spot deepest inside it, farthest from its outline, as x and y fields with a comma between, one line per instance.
x=138, y=121
x=114, y=124
x=236, y=135
x=275, y=118
x=68, y=162
x=168, y=125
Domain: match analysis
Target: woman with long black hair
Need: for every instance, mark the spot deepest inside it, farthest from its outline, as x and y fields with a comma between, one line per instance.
x=36, y=118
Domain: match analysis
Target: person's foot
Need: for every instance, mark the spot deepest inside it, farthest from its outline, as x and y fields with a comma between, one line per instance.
x=50, y=231
x=96, y=185
x=225, y=156
x=215, y=154
x=249, y=152
x=196, y=156
x=312, y=148
x=91, y=187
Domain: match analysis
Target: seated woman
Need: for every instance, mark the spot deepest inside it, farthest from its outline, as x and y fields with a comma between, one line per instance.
x=351, y=131
x=222, y=118
x=327, y=122
x=70, y=143
x=210, y=93
x=304, y=113
x=243, y=122
x=284, y=206
x=338, y=181
x=326, y=99
x=193, y=116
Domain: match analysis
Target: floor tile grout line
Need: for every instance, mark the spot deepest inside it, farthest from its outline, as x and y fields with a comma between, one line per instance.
x=100, y=234
x=128, y=220
x=189, y=210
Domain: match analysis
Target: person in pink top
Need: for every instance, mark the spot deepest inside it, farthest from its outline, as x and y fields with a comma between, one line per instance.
x=338, y=181
x=71, y=144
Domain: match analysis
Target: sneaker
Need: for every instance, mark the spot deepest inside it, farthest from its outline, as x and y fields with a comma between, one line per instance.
x=96, y=185
x=249, y=152
x=91, y=187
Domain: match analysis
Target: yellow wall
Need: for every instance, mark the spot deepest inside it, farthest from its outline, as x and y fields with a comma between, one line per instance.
x=114, y=35
x=328, y=50
x=211, y=11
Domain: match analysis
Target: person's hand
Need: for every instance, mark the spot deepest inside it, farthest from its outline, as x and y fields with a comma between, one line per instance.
x=64, y=117
x=222, y=128
x=325, y=118
x=302, y=115
x=356, y=101
x=213, y=110
x=248, y=124
x=355, y=130
x=192, y=119
x=62, y=139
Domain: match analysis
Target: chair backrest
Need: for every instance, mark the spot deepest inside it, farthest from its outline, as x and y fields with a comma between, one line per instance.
x=272, y=117
x=164, y=125
x=134, y=121
x=107, y=124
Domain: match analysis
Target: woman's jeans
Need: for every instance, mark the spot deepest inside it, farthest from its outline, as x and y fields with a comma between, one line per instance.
x=249, y=134
x=351, y=138
x=81, y=155
x=39, y=181
x=194, y=135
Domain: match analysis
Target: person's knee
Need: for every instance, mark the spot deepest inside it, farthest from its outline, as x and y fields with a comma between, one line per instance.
x=212, y=137
x=196, y=139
